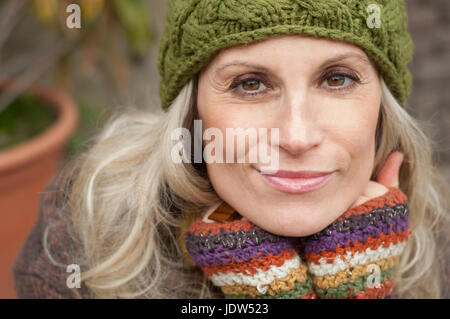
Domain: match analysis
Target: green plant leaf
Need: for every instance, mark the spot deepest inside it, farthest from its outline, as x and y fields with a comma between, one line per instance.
x=26, y=117
x=134, y=18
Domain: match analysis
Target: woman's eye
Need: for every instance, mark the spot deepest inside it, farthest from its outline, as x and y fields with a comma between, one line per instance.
x=336, y=80
x=339, y=81
x=249, y=87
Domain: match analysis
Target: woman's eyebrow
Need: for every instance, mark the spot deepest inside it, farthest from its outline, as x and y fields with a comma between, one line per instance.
x=343, y=57
x=242, y=63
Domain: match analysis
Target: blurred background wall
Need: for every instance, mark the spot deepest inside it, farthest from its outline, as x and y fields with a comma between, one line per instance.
x=111, y=62
x=429, y=24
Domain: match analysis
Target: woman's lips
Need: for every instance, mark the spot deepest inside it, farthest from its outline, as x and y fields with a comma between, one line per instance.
x=297, y=182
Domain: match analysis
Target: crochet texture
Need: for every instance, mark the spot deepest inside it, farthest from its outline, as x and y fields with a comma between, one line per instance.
x=354, y=257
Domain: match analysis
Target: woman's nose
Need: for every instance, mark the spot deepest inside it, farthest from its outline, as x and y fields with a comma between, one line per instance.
x=299, y=125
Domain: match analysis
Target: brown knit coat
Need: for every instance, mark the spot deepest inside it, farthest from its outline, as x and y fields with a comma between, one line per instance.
x=35, y=276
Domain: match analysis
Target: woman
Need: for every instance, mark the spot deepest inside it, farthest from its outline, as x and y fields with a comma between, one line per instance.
x=334, y=84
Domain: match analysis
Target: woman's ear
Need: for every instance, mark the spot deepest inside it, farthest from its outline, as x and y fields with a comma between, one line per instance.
x=389, y=173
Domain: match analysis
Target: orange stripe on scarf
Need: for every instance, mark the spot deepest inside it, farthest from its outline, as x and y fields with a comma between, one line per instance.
x=199, y=226
x=250, y=267
x=391, y=198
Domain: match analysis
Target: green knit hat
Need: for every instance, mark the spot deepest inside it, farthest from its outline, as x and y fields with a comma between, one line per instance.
x=197, y=29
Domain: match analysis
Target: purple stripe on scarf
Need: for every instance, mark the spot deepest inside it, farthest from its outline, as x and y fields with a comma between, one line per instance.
x=398, y=225
x=221, y=254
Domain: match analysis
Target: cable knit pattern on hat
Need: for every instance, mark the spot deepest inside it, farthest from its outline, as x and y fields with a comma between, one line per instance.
x=354, y=257
x=196, y=29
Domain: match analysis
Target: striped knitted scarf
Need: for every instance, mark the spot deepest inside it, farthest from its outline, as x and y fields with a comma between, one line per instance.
x=354, y=257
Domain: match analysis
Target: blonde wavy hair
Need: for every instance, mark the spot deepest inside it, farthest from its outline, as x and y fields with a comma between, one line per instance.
x=127, y=201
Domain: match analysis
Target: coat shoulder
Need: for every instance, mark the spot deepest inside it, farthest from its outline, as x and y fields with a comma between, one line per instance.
x=41, y=269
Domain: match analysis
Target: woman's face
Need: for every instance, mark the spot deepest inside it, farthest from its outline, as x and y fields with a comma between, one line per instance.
x=324, y=97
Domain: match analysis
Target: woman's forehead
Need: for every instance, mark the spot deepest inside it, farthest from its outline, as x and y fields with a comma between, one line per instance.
x=286, y=48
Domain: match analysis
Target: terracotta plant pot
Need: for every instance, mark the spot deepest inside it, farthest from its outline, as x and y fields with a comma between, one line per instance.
x=25, y=170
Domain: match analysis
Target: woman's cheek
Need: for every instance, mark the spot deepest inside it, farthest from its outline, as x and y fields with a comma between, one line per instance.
x=363, y=154
x=353, y=132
